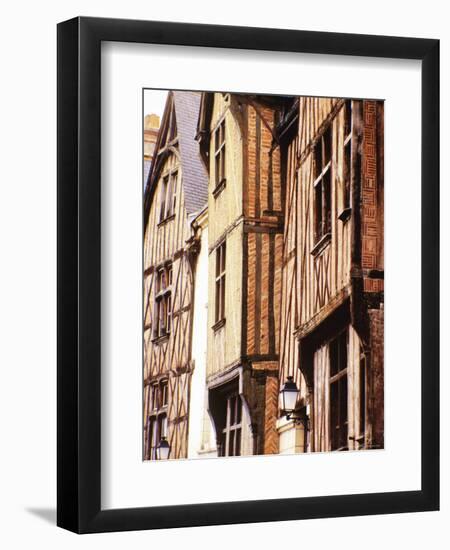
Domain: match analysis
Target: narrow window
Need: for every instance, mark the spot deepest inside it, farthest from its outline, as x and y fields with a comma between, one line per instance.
x=163, y=301
x=174, y=189
x=231, y=433
x=338, y=393
x=153, y=397
x=157, y=420
x=220, y=282
x=157, y=428
x=164, y=393
x=219, y=155
x=322, y=155
x=163, y=198
x=347, y=172
x=168, y=196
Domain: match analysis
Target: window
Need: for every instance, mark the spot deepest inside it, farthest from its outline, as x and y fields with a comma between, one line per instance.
x=164, y=393
x=322, y=184
x=163, y=301
x=230, y=444
x=338, y=393
x=347, y=172
x=219, y=155
x=157, y=419
x=220, y=282
x=154, y=397
x=157, y=428
x=173, y=190
x=163, y=200
x=168, y=198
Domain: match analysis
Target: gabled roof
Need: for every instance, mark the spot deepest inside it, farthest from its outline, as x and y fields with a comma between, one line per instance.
x=185, y=108
x=195, y=178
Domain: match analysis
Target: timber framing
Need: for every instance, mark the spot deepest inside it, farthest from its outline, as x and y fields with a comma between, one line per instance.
x=335, y=283
x=170, y=248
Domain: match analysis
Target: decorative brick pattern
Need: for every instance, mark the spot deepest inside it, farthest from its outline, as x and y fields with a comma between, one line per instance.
x=369, y=189
x=271, y=410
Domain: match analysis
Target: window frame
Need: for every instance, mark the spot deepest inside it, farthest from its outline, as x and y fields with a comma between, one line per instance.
x=219, y=142
x=157, y=417
x=347, y=160
x=322, y=160
x=231, y=435
x=220, y=284
x=163, y=301
x=338, y=379
x=168, y=195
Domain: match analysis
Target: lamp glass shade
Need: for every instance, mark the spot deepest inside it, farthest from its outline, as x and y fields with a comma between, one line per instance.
x=289, y=395
x=163, y=449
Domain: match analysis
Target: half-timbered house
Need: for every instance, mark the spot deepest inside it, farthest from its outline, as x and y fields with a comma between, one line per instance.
x=176, y=191
x=245, y=233
x=332, y=297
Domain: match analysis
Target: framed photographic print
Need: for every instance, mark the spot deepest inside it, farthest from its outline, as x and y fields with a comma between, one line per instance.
x=248, y=308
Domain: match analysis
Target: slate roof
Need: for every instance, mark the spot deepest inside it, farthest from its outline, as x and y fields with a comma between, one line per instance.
x=147, y=166
x=195, y=178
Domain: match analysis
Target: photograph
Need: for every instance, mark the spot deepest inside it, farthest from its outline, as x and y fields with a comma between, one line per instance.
x=263, y=274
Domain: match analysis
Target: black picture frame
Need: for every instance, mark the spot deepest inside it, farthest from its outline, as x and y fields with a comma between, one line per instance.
x=79, y=281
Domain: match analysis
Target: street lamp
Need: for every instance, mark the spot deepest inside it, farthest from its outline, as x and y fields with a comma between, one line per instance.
x=163, y=449
x=289, y=395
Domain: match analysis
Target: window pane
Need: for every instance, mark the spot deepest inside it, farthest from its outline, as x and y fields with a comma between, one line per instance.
x=223, y=257
x=338, y=353
x=347, y=173
x=173, y=190
x=237, y=449
x=343, y=412
x=218, y=260
x=317, y=159
x=158, y=281
x=162, y=427
x=161, y=317
x=222, y=163
x=347, y=117
x=164, y=393
x=334, y=418
x=156, y=320
x=238, y=409
x=232, y=403
x=326, y=222
x=217, y=168
x=217, y=140
x=163, y=198
x=327, y=140
x=217, y=313
x=230, y=450
x=318, y=211
x=343, y=350
x=153, y=397
x=222, y=297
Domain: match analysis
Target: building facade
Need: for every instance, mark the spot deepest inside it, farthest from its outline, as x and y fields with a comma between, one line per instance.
x=264, y=262
x=176, y=190
x=333, y=271
x=239, y=146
